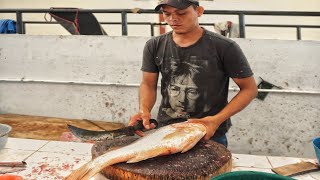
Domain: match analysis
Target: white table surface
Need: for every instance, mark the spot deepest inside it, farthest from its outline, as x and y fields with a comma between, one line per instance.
x=56, y=159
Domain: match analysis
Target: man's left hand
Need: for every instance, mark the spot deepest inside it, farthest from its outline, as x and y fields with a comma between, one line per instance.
x=211, y=122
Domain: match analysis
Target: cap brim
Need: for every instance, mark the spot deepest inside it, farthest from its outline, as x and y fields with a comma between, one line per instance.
x=181, y=6
x=158, y=7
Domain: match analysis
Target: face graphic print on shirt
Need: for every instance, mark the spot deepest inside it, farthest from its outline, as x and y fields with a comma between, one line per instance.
x=184, y=87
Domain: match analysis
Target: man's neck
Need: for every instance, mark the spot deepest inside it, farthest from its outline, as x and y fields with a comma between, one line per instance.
x=187, y=39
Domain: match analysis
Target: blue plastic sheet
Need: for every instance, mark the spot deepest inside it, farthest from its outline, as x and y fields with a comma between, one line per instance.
x=8, y=26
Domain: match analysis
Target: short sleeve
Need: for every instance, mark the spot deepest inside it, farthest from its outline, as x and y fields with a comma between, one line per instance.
x=148, y=62
x=235, y=63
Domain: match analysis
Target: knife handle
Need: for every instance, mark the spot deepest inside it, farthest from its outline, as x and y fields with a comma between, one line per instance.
x=13, y=164
x=139, y=126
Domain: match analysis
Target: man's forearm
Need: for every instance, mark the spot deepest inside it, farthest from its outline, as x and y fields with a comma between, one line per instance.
x=147, y=97
x=238, y=103
x=248, y=91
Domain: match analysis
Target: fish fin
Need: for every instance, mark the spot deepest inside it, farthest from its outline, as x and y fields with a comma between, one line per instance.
x=137, y=159
x=188, y=146
x=85, y=172
x=88, y=170
x=114, y=148
x=150, y=154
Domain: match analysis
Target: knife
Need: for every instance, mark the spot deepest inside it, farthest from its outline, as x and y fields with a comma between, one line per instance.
x=10, y=167
x=13, y=164
x=89, y=135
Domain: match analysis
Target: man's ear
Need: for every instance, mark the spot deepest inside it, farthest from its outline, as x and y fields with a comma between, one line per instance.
x=200, y=10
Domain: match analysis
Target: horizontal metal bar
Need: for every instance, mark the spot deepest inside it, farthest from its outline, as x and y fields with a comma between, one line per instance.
x=137, y=85
x=284, y=25
x=283, y=91
x=78, y=10
x=273, y=13
x=134, y=23
x=204, y=24
x=232, y=12
x=54, y=22
x=67, y=82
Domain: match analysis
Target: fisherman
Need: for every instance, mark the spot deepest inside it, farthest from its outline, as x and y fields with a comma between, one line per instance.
x=195, y=65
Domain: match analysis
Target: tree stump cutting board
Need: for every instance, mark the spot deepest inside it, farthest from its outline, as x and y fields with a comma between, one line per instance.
x=204, y=161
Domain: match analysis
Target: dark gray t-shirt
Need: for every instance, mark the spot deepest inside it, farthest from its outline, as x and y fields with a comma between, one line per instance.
x=195, y=79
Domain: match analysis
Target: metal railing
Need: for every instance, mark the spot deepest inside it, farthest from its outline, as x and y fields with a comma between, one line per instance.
x=124, y=22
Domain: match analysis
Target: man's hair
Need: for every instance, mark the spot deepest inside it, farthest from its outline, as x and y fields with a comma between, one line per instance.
x=194, y=6
x=184, y=69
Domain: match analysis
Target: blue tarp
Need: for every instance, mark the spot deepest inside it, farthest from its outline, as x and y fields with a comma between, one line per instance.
x=7, y=26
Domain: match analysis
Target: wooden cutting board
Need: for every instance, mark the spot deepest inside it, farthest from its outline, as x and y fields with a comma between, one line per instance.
x=49, y=128
x=204, y=161
x=296, y=168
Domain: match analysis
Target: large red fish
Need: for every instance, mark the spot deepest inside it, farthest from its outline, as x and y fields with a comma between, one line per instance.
x=174, y=138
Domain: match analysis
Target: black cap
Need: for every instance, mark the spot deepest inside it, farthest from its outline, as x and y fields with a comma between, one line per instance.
x=179, y=4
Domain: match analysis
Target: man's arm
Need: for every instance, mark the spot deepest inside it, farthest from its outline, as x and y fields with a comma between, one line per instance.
x=248, y=91
x=147, y=99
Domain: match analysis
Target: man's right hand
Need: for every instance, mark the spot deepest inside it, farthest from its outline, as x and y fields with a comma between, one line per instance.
x=141, y=116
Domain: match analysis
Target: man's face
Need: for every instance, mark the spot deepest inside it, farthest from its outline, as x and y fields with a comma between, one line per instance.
x=181, y=20
x=183, y=94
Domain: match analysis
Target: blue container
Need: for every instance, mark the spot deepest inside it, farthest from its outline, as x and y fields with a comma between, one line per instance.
x=316, y=145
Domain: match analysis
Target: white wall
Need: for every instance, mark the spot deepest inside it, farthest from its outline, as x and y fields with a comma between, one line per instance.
x=115, y=30
x=105, y=72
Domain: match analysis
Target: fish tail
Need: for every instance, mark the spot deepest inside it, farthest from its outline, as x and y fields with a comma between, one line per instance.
x=85, y=172
x=93, y=167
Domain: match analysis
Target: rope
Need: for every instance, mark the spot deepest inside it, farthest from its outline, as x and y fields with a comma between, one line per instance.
x=76, y=22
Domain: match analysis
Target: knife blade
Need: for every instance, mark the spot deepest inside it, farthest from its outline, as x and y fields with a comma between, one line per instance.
x=10, y=167
x=89, y=135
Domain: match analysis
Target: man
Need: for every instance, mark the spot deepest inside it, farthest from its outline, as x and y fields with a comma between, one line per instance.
x=213, y=56
x=227, y=29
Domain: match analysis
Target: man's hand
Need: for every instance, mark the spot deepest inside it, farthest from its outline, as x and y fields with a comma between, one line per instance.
x=210, y=122
x=145, y=118
x=147, y=98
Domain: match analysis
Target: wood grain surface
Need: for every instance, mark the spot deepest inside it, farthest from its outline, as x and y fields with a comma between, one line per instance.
x=49, y=128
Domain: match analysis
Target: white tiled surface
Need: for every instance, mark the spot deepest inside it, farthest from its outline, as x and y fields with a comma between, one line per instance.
x=25, y=144
x=281, y=161
x=48, y=160
x=52, y=165
x=14, y=154
x=251, y=169
x=244, y=162
x=250, y=161
x=68, y=148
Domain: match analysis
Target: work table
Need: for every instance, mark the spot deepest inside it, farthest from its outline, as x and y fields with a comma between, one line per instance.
x=48, y=160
